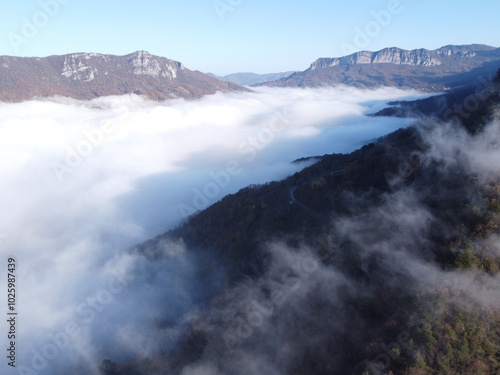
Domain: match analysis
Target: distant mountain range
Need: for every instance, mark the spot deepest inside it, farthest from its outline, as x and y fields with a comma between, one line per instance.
x=445, y=68
x=249, y=79
x=91, y=75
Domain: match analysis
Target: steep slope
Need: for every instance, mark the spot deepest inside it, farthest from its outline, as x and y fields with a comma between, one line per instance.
x=438, y=70
x=386, y=262
x=91, y=75
x=471, y=105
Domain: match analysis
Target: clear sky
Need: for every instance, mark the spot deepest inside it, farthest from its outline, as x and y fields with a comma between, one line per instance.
x=227, y=36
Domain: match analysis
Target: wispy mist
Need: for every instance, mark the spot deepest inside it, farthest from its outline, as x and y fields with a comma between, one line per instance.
x=307, y=308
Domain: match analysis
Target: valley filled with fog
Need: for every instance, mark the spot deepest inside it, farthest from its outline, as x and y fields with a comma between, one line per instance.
x=84, y=181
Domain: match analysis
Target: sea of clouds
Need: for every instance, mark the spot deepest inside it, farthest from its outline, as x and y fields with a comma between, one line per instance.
x=83, y=181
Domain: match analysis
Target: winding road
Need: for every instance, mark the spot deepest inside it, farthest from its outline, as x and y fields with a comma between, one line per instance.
x=303, y=206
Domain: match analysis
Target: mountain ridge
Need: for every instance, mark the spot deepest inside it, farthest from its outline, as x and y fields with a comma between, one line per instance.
x=442, y=69
x=89, y=75
x=395, y=55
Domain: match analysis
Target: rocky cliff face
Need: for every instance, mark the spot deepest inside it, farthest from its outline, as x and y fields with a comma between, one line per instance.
x=424, y=69
x=420, y=57
x=84, y=66
x=146, y=64
x=90, y=75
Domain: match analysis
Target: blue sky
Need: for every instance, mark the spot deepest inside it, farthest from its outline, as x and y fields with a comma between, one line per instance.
x=227, y=36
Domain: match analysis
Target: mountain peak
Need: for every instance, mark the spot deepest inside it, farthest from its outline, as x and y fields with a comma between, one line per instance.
x=145, y=63
x=140, y=53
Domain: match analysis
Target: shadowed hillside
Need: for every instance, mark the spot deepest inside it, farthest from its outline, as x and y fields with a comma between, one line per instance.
x=382, y=261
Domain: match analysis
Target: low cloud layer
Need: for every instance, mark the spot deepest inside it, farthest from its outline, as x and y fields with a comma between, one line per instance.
x=84, y=181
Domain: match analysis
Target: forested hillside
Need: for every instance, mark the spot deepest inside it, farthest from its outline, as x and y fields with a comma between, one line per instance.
x=382, y=261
